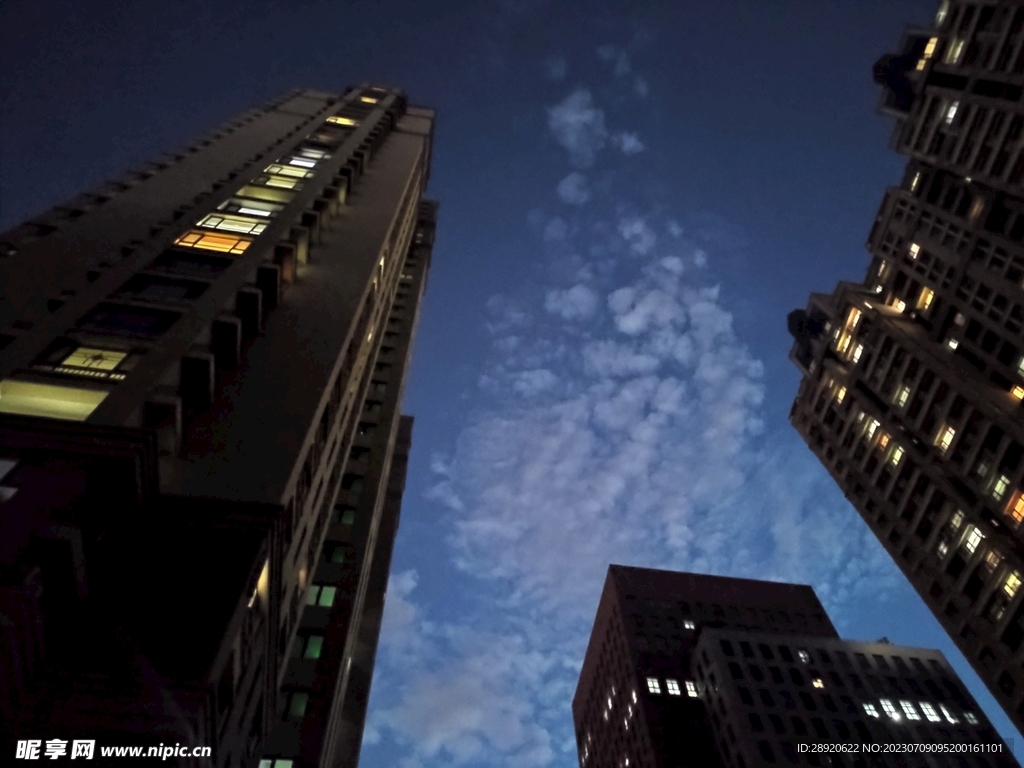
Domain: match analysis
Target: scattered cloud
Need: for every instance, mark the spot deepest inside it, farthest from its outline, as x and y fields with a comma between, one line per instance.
x=574, y=189
x=576, y=303
x=579, y=127
x=556, y=67
x=629, y=143
x=640, y=87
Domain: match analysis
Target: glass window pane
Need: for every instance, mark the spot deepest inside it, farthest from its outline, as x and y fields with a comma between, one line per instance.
x=314, y=645
x=327, y=596
x=297, y=706
x=30, y=399
x=311, y=595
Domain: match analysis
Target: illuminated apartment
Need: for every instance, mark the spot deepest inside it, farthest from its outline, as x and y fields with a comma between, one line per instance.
x=202, y=456
x=685, y=670
x=913, y=378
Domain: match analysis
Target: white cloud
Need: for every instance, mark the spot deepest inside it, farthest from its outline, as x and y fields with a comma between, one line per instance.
x=640, y=87
x=574, y=189
x=556, y=67
x=629, y=143
x=574, y=303
x=579, y=127
x=636, y=232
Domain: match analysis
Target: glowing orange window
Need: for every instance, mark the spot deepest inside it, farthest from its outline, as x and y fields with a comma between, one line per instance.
x=1015, y=509
x=210, y=241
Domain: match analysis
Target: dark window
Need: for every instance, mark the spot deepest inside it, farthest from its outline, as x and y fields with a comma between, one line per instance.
x=755, y=722
x=766, y=697
x=785, y=654
x=794, y=673
x=135, y=321
x=727, y=648
x=766, y=652
x=777, y=675
x=745, y=696
x=748, y=652
x=191, y=263
x=798, y=725
x=805, y=697
x=734, y=668
x=158, y=288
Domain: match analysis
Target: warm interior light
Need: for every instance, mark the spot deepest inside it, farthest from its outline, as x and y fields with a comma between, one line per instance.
x=28, y=398
x=1018, y=392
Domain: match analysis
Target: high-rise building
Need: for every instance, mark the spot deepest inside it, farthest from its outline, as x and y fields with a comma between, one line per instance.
x=687, y=670
x=202, y=456
x=913, y=378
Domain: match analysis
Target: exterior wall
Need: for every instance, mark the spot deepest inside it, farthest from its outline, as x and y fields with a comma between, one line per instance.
x=767, y=694
x=248, y=401
x=914, y=378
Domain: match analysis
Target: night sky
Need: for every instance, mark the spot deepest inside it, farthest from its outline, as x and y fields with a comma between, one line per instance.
x=633, y=196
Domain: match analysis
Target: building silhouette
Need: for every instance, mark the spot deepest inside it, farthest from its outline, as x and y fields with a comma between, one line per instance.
x=913, y=378
x=201, y=446
x=686, y=670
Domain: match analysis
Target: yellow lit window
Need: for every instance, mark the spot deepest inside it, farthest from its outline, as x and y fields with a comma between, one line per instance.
x=288, y=170
x=897, y=455
x=55, y=402
x=1015, y=509
x=953, y=343
x=915, y=249
x=999, y=489
x=853, y=318
x=844, y=343
x=97, y=359
x=1018, y=392
x=921, y=64
x=339, y=120
x=1012, y=584
x=210, y=241
x=262, y=193
x=974, y=537
x=929, y=50
x=857, y=352
x=230, y=223
x=915, y=182
x=368, y=99
x=945, y=438
x=957, y=520
x=818, y=682
x=899, y=305
x=841, y=395
x=925, y=299
x=872, y=426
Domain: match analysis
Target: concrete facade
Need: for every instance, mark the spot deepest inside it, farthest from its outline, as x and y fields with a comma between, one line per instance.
x=201, y=442
x=913, y=379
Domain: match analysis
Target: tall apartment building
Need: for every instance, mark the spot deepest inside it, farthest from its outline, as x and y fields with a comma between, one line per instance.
x=913, y=379
x=686, y=670
x=202, y=456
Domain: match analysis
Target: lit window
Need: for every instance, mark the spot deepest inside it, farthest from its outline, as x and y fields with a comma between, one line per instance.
x=634, y=699
x=321, y=595
x=302, y=162
x=231, y=223
x=925, y=299
x=96, y=359
x=902, y=395
x=250, y=207
x=872, y=426
x=890, y=709
x=915, y=182
x=945, y=438
x=805, y=657
x=853, y=318
x=609, y=702
x=956, y=47
x=999, y=489
x=673, y=687
x=841, y=395
x=929, y=712
x=339, y=120
x=943, y=12
x=957, y=520
x=883, y=440
x=691, y=689
x=297, y=706
x=952, y=343
x=857, y=352
x=280, y=182
x=915, y=249
x=929, y=49
x=688, y=624
x=27, y=398
x=209, y=241
x=1012, y=584
x=1015, y=509
x=652, y=685
x=970, y=718
x=943, y=548
x=870, y=710
x=1018, y=392
x=897, y=454
x=992, y=560
x=316, y=154
x=909, y=711
x=951, y=112
x=959, y=319
x=921, y=64
x=314, y=646
x=368, y=99
x=818, y=682
x=287, y=170
x=899, y=305
x=950, y=717
x=974, y=537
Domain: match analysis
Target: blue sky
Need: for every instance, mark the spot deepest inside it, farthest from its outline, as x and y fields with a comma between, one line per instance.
x=633, y=196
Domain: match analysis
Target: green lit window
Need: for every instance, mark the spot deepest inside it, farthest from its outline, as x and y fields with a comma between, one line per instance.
x=321, y=595
x=262, y=193
x=348, y=516
x=297, y=704
x=340, y=120
x=335, y=554
x=314, y=645
x=28, y=398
